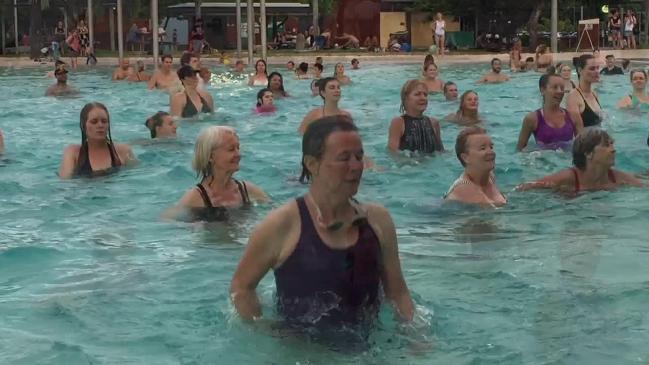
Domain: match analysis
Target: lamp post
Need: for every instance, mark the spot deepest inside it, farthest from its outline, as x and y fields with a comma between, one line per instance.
x=120, y=31
x=251, y=30
x=154, y=25
x=238, y=3
x=91, y=30
x=555, y=31
x=262, y=27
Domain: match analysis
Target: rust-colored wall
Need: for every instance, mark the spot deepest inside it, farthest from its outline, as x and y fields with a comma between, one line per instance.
x=362, y=18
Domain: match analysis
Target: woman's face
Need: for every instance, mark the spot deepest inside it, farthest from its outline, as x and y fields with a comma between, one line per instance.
x=340, y=69
x=480, y=153
x=332, y=91
x=275, y=82
x=431, y=71
x=97, y=125
x=438, y=16
x=191, y=82
x=566, y=72
x=267, y=99
x=340, y=167
x=554, y=91
x=639, y=81
x=417, y=99
x=590, y=73
x=471, y=102
x=226, y=157
x=603, y=154
x=167, y=129
x=260, y=67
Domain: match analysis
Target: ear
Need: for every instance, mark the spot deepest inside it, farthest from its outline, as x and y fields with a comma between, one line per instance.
x=312, y=164
x=464, y=156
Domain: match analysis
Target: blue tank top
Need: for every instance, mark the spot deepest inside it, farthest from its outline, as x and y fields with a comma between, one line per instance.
x=319, y=285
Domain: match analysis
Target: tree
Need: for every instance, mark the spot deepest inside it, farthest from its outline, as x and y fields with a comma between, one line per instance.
x=533, y=23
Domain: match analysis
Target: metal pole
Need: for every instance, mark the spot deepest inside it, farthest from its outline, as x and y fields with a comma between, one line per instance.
x=3, y=35
x=251, y=31
x=262, y=27
x=16, y=25
x=91, y=30
x=316, y=26
x=111, y=27
x=555, y=28
x=65, y=23
x=154, y=20
x=120, y=31
x=581, y=12
x=238, y=29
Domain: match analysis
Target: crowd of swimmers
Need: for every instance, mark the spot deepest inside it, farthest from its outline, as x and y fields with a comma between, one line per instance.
x=326, y=246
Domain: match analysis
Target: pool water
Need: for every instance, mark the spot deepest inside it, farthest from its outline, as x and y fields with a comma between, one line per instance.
x=90, y=274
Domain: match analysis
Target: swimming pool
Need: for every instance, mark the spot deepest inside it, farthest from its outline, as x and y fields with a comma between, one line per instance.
x=90, y=274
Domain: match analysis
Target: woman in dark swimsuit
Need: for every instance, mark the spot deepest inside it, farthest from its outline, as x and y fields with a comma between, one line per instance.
x=216, y=160
x=97, y=154
x=583, y=104
x=188, y=103
x=330, y=253
x=413, y=130
x=593, y=157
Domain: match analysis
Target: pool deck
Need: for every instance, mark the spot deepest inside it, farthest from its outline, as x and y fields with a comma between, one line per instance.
x=363, y=57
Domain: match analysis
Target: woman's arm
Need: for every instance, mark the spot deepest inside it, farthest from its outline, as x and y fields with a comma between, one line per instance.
x=177, y=104
x=625, y=102
x=528, y=127
x=256, y=193
x=395, y=133
x=69, y=161
x=574, y=107
x=392, y=279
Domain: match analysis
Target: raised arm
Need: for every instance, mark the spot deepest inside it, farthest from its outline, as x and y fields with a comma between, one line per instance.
x=394, y=284
x=625, y=102
x=528, y=127
x=395, y=133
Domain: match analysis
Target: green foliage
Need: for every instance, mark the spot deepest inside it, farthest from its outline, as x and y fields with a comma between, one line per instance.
x=564, y=25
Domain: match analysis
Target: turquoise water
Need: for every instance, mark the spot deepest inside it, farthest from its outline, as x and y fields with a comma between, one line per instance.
x=89, y=274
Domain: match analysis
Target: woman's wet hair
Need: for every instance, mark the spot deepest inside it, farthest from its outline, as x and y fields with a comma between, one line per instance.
x=322, y=84
x=318, y=66
x=155, y=121
x=428, y=60
x=208, y=139
x=408, y=88
x=463, y=98
x=304, y=67
x=633, y=72
x=585, y=143
x=315, y=138
x=544, y=80
x=265, y=66
x=580, y=62
x=260, y=95
x=281, y=81
x=185, y=72
x=336, y=68
x=83, y=119
x=462, y=140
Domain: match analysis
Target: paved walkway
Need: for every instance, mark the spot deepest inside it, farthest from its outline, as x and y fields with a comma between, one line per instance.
x=346, y=58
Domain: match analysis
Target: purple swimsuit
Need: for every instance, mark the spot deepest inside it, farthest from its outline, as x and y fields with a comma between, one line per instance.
x=548, y=137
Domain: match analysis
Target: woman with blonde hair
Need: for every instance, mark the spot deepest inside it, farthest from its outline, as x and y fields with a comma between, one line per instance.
x=431, y=78
x=413, y=130
x=216, y=160
x=339, y=74
x=467, y=114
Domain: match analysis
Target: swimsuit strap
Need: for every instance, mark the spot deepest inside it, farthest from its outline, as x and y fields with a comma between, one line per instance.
x=243, y=190
x=204, y=195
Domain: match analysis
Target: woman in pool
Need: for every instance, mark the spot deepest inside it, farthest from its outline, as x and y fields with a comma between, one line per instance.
x=339, y=74
x=330, y=253
x=477, y=185
x=565, y=71
x=139, y=74
x=192, y=101
x=161, y=125
x=593, y=157
x=467, y=114
x=413, y=130
x=639, y=98
x=516, y=56
x=433, y=83
x=551, y=125
x=315, y=89
x=265, y=102
x=260, y=78
x=543, y=58
x=428, y=60
x=216, y=160
x=330, y=92
x=97, y=154
x=276, y=85
x=583, y=104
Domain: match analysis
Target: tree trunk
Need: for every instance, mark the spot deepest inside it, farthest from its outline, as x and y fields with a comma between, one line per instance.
x=646, y=23
x=533, y=24
x=198, y=4
x=36, y=30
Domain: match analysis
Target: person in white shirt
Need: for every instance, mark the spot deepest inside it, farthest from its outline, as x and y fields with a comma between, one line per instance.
x=439, y=33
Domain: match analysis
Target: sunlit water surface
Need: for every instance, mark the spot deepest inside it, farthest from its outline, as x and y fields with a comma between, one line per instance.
x=89, y=274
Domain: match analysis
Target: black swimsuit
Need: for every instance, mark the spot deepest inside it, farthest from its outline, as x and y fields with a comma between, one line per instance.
x=190, y=109
x=419, y=135
x=589, y=116
x=84, y=169
x=211, y=213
